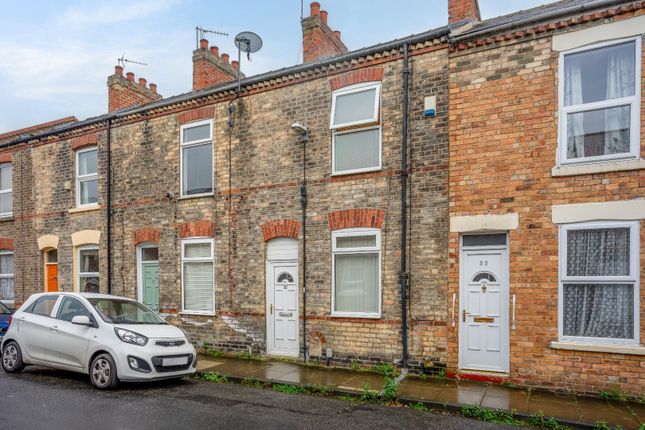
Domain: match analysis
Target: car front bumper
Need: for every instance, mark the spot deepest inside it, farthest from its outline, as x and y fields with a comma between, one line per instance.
x=155, y=362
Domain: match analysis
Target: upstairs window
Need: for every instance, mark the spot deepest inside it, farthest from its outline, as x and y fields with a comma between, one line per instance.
x=356, y=132
x=599, y=99
x=87, y=178
x=197, y=158
x=6, y=190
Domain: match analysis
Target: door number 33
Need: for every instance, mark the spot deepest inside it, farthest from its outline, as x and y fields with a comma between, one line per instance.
x=483, y=263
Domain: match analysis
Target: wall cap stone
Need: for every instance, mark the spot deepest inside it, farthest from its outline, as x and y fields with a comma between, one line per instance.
x=622, y=210
x=47, y=241
x=86, y=237
x=473, y=223
x=593, y=347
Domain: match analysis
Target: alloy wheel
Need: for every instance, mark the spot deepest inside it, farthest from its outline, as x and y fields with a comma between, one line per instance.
x=10, y=357
x=101, y=372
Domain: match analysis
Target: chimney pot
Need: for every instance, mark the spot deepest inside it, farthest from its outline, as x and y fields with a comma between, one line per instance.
x=215, y=51
x=153, y=88
x=315, y=8
x=130, y=76
x=235, y=64
x=142, y=82
x=118, y=70
x=203, y=44
x=323, y=16
x=224, y=58
x=337, y=34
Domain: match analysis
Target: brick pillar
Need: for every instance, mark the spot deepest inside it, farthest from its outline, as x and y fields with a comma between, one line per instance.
x=124, y=92
x=463, y=10
x=209, y=68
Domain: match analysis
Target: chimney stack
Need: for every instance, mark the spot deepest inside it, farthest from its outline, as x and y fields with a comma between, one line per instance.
x=124, y=92
x=210, y=68
x=463, y=10
x=318, y=39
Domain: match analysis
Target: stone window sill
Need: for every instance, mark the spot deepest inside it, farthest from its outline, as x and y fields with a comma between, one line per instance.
x=84, y=209
x=197, y=314
x=195, y=196
x=608, y=166
x=6, y=218
x=593, y=347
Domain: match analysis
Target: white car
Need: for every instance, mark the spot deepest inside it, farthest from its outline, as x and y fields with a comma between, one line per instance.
x=108, y=337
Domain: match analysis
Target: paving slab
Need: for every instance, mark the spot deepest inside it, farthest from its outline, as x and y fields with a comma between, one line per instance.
x=361, y=379
x=238, y=368
x=449, y=392
x=554, y=405
x=613, y=413
x=313, y=376
x=639, y=411
x=506, y=398
x=207, y=365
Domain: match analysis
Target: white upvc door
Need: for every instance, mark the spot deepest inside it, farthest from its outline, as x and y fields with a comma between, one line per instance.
x=282, y=308
x=484, y=308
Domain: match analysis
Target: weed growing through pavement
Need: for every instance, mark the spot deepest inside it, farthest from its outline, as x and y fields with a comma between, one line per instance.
x=491, y=415
x=540, y=421
x=213, y=377
x=419, y=407
x=386, y=369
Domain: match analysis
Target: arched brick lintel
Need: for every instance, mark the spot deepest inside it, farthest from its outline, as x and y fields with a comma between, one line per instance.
x=83, y=141
x=356, y=218
x=373, y=74
x=196, y=229
x=281, y=228
x=6, y=243
x=146, y=234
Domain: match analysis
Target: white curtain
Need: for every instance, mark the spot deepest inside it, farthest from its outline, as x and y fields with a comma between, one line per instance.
x=573, y=96
x=596, y=309
x=620, y=83
x=357, y=283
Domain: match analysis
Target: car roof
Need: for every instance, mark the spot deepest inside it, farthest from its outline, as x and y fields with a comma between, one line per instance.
x=82, y=294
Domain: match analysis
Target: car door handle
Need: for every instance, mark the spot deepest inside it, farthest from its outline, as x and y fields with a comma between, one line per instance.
x=53, y=327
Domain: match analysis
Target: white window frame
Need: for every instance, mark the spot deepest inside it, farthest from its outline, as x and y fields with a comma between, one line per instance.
x=632, y=278
x=87, y=177
x=190, y=144
x=351, y=90
x=361, y=170
x=210, y=259
x=349, y=232
x=7, y=191
x=80, y=274
x=9, y=276
x=633, y=102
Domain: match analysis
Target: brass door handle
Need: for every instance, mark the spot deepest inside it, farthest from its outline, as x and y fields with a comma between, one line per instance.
x=463, y=314
x=271, y=308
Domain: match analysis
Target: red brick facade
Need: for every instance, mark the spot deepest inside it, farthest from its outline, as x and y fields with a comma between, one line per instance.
x=146, y=234
x=209, y=68
x=318, y=40
x=356, y=77
x=196, y=229
x=461, y=10
x=205, y=112
x=124, y=92
x=281, y=228
x=355, y=218
x=83, y=141
x=6, y=243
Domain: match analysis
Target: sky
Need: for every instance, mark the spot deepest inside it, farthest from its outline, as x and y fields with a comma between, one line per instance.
x=55, y=57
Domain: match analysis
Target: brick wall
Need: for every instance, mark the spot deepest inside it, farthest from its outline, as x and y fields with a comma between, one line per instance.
x=503, y=134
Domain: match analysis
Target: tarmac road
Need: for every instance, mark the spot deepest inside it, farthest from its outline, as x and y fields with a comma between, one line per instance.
x=40, y=398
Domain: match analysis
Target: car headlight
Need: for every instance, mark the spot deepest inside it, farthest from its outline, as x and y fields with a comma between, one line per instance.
x=130, y=336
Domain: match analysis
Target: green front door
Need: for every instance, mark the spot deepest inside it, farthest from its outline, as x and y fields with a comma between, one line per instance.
x=150, y=273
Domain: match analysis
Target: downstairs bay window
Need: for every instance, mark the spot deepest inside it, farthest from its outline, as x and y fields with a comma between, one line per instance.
x=599, y=282
x=600, y=102
x=356, y=273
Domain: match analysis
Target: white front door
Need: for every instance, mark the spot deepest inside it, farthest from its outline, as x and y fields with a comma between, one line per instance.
x=483, y=334
x=282, y=308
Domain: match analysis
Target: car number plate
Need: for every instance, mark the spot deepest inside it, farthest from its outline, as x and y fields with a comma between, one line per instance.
x=174, y=361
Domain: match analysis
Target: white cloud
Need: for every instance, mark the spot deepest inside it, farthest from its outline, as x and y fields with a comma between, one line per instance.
x=81, y=16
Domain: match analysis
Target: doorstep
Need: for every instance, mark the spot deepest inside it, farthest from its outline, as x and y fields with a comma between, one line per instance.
x=436, y=393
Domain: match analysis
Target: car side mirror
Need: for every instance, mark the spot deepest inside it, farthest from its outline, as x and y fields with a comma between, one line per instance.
x=82, y=320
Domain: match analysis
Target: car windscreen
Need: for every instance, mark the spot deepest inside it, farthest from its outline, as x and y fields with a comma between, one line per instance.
x=121, y=311
x=4, y=309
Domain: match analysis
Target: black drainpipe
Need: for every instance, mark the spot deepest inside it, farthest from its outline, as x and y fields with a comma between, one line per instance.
x=404, y=209
x=108, y=180
x=303, y=204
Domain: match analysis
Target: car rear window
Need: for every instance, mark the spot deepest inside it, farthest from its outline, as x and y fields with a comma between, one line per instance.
x=43, y=306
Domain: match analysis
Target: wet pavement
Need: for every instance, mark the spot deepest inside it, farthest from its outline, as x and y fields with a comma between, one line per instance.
x=448, y=394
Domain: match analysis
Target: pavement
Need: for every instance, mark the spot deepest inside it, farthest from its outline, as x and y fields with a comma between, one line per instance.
x=40, y=398
x=568, y=409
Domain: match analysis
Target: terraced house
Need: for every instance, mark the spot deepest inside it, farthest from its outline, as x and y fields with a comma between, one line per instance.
x=469, y=198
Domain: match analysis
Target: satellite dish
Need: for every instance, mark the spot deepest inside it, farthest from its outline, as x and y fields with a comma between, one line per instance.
x=248, y=42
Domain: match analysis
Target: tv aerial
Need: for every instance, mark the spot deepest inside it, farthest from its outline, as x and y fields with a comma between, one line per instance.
x=123, y=61
x=250, y=43
x=201, y=32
